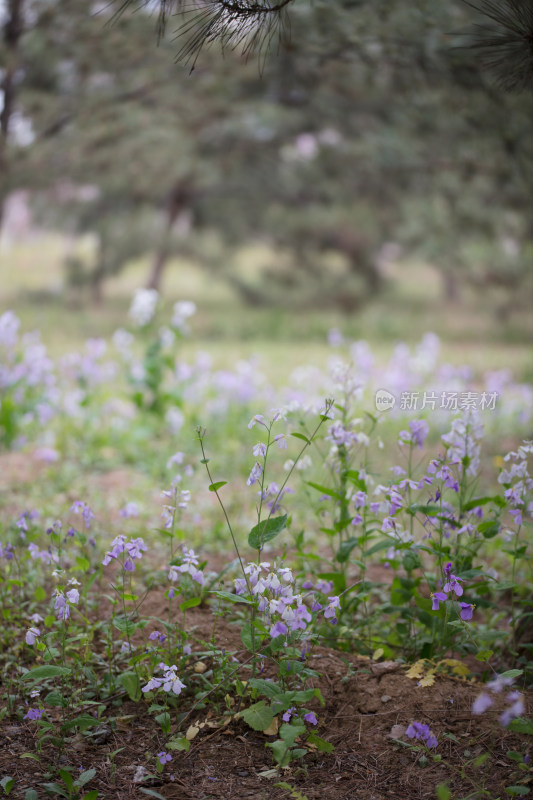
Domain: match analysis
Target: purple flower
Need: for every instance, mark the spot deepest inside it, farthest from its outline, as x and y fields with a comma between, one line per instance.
x=164, y=757
x=311, y=718
x=31, y=635
x=438, y=597
x=86, y=512
x=278, y=629
x=481, y=703
x=466, y=611
x=417, y=730
x=255, y=474
x=516, y=709
x=333, y=603
x=288, y=714
x=419, y=431
x=34, y=713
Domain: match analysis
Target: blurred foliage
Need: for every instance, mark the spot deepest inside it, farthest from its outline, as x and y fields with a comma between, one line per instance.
x=369, y=126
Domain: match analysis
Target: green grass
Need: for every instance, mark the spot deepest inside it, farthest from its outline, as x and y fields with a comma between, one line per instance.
x=410, y=305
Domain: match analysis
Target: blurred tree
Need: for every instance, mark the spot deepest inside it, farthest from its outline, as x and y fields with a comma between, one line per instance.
x=11, y=23
x=367, y=127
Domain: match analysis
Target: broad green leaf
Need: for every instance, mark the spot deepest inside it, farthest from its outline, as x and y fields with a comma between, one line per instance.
x=233, y=598
x=214, y=487
x=85, y=777
x=92, y=795
x=258, y=716
x=321, y=744
x=190, y=603
x=343, y=553
x=517, y=791
x=130, y=682
x=47, y=671
x=67, y=779
x=152, y=793
x=484, y=655
x=179, y=744
x=443, y=793
x=325, y=490
x=124, y=625
x=489, y=528
x=521, y=725
x=301, y=436
x=281, y=752
x=267, y=530
x=266, y=688
x=7, y=784
x=289, y=732
x=54, y=788
x=31, y=794
x=512, y=673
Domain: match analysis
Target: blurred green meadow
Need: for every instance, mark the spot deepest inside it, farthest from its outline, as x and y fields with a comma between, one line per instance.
x=410, y=305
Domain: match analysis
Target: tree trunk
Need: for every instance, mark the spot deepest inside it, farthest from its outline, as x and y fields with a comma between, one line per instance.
x=13, y=28
x=177, y=202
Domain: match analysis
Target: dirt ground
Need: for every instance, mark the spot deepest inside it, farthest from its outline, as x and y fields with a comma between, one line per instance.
x=364, y=700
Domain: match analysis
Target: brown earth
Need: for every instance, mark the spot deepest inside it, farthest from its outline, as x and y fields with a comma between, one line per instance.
x=363, y=701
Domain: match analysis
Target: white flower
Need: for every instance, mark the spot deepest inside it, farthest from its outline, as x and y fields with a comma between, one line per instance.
x=143, y=306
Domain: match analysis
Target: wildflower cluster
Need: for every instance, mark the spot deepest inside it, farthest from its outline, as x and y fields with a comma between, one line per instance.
x=168, y=683
x=418, y=730
x=284, y=611
x=515, y=700
x=453, y=587
x=125, y=551
x=188, y=565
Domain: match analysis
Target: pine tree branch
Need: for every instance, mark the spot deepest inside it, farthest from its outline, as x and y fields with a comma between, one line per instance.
x=506, y=43
x=249, y=25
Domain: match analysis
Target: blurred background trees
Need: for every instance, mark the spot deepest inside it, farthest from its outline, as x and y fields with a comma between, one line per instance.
x=367, y=134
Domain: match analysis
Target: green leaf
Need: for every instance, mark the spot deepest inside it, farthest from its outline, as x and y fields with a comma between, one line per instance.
x=56, y=699
x=302, y=437
x=192, y=602
x=124, y=625
x=7, y=784
x=54, y=788
x=130, y=682
x=92, y=795
x=282, y=754
x=233, y=598
x=481, y=501
x=85, y=777
x=266, y=688
x=33, y=757
x=324, y=490
x=83, y=722
x=484, y=655
x=31, y=794
x=214, y=487
x=265, y=531
x=39, y=594
x=164, y=721
x=47, y=671
x=67, y=779
x=290, y=731
x=343, y=553
x=521, y=725
x=428, y=510
x=152, y=793
x=82, y=563
x=258, y=716
x=517, y=791
x=179, y=744
x=512, y=673
x=489, y=528
x=321, y=744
